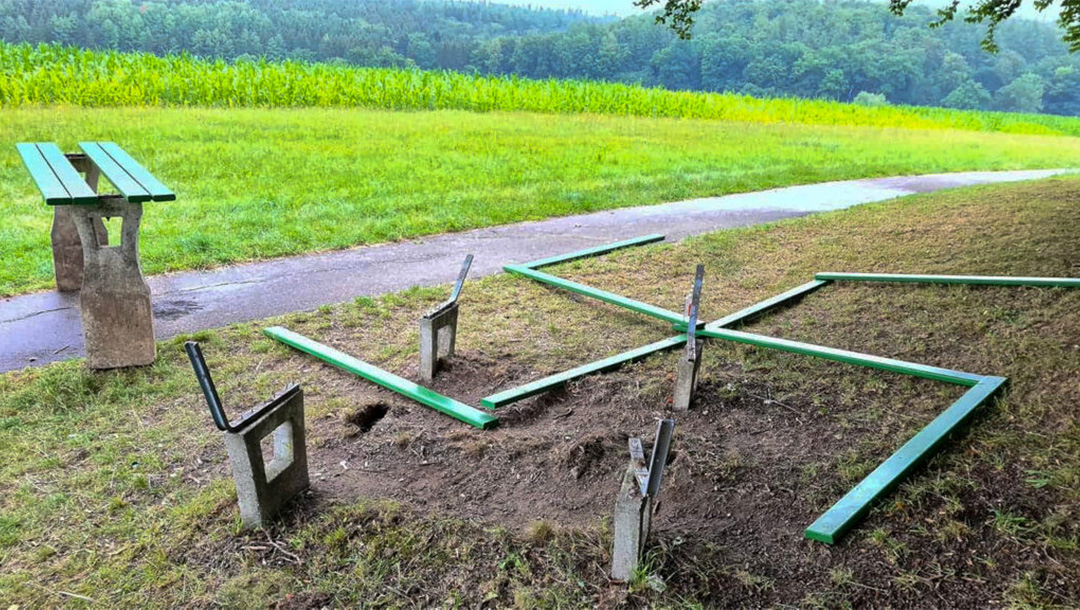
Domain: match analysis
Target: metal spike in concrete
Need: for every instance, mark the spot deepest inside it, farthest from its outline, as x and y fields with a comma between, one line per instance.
x=44, y=327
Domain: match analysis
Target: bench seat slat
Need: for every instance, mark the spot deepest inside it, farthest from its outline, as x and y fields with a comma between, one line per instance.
x=77, y=188
x=157, y=190
x=52, y=190
x=128, y=186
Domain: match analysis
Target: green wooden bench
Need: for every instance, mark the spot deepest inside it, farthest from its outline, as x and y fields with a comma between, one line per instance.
x=115, y=299
x=57, y=175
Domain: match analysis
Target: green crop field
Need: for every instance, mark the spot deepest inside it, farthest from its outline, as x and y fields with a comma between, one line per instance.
x=265, y=181
x=54, y=74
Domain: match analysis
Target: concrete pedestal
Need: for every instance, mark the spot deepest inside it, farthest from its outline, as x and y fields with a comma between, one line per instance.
x=438, y=333
x=686, y=378
x=633, y=518
x=117, y=316
x=263, y=488
x=66, y=244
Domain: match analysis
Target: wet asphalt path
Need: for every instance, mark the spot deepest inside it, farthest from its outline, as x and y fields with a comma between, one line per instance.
x=44, y=327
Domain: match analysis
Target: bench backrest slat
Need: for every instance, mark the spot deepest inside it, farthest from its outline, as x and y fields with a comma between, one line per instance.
x=157, y=190
x=56, y=178
x=128, y=186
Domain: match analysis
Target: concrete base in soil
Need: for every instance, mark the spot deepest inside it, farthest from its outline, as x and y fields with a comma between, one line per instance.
x=45, y=327
x=264, y=486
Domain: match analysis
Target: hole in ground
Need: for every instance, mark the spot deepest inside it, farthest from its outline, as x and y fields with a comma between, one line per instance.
x=368, y=415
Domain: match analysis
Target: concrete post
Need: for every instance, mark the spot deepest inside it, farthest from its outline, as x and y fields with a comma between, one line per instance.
x=633, y=518
x=117, y=315
x=438, y=334
x=66, y=244
x=633, y=508
x=686, y=378
x=263, y=488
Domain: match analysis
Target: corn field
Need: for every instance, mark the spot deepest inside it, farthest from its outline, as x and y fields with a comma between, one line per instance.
x=49, y=75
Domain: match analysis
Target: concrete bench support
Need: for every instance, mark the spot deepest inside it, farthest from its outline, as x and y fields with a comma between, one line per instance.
x=438, y=328
x=66, y=244
x=117, y=316
x=634, y=506
x=633, y=519
x=690, y=362
x=686, y=378
x=67, y=249
x=262, y=487
x=438, y=334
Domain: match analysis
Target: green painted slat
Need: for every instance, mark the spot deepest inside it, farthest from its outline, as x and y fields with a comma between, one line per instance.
x=843, y=515
x=982, y=280
x=52, y=190
x=157, y=190
x=597, y=251
x=875, y=362
x=81, y=193
x=559, y=379
x=386, y=379
x=128, y=186
x=771, y=303
x=596, y=293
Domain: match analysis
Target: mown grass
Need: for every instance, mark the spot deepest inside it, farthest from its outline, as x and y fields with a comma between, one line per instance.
x=112, y=485
x=255, y=184
x=54, y=74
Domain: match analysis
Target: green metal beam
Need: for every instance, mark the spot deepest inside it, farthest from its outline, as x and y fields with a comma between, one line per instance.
x=558, y=380
x=839, y=355
x=843, y=515
x=743, y=315
x=983, y=280
x=390, y=381
x=597, y=251
x=596, y=293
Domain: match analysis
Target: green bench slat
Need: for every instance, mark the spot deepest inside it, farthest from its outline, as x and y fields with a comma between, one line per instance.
x=80, y=191
x=47, y=182
x=128, y=186
x=157, y=190
x=54, y=175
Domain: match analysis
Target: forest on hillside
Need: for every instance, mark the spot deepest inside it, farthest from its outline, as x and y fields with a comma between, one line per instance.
x=840, y=50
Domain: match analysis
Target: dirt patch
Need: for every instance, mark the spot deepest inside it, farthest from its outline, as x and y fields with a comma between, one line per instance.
x=773, y=440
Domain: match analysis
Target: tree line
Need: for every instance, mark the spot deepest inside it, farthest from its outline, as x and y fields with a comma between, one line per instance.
x=841, y=50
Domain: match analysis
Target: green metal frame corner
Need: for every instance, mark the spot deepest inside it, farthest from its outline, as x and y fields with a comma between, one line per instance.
x=846, y=513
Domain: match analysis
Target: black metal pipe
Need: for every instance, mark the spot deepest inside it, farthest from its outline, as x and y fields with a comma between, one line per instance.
x=206, y=382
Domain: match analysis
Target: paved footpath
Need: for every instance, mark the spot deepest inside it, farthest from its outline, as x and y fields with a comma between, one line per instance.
x=45, y=327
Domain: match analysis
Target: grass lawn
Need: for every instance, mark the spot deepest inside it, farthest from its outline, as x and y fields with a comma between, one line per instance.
x=255, y=184
x=114, y=486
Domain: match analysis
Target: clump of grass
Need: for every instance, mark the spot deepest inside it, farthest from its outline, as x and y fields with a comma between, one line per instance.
x=539, y=533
